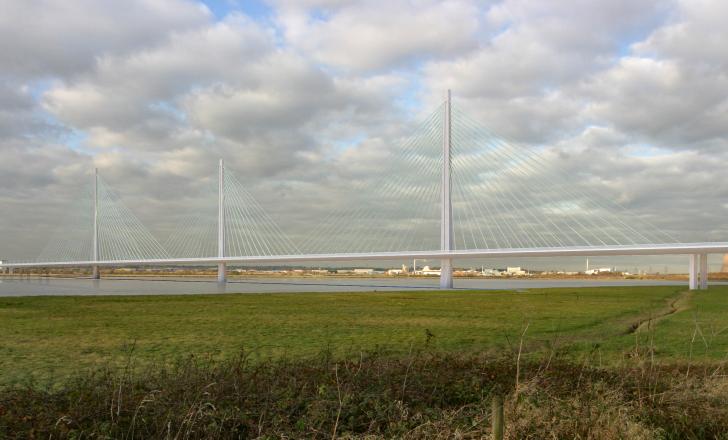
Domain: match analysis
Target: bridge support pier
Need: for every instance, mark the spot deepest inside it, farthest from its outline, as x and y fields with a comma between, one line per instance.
x=703, y=271
x=95, y=273
x=221, y=273
x=446, y=274
x=693, y=272
x=698, y=274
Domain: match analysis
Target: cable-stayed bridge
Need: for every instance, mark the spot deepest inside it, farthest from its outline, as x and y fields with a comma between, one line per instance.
x=451, y=190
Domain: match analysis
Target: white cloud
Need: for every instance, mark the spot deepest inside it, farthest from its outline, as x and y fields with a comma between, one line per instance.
x=696, y=34
x=662, y=101
x=379, y=35
x=57, y=37
x=629, y=95
x=671, y=91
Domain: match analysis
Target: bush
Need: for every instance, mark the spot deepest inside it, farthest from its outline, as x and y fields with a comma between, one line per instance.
x=422, y=395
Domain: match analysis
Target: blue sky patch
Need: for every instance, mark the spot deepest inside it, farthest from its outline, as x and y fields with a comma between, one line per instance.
x=256, y=9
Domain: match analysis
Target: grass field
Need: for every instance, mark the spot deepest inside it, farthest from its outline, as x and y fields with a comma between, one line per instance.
x=46, y=338
x=602, y=363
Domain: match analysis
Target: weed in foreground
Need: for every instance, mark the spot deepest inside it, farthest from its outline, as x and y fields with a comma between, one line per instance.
x=420, y=395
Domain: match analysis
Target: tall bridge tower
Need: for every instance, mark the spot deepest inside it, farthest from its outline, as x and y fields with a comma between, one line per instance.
x=446, y=226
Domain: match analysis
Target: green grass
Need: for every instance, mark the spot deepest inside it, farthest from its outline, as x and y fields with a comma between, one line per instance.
x=47, y=337
x=700, y=330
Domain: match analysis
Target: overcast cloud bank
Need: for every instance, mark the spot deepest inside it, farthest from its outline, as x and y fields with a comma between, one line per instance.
x=299, y=96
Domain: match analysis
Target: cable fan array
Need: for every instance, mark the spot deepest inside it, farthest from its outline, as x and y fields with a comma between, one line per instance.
x=73, y=238
x=504, y=196
x=249, y=230
x=121, y=235
x=394, y=209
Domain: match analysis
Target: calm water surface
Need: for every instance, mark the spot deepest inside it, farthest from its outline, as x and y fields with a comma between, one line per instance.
x=169, y=286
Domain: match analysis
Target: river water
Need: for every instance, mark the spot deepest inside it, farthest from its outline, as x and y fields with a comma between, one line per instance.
x=169, y=286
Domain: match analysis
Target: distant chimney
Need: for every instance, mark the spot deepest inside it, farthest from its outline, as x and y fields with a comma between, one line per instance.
x=725, y=263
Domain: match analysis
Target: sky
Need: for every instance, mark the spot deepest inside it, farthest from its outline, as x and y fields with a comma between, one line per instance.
x=301, y=97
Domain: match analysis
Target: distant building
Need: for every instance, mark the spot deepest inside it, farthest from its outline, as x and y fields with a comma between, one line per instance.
x=403, y=271
x=490, y=272
x=468, y=272
x=363, y=271
x=428, y=271
x=598, y=271
x=515, y=271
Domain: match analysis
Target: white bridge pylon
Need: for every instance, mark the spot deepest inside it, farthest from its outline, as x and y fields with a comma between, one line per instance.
x=488, y=197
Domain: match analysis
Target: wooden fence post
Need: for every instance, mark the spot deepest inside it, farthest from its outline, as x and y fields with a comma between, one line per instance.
x=497, y=417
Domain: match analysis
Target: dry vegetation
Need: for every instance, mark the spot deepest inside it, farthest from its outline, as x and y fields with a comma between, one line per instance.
x=420, y=395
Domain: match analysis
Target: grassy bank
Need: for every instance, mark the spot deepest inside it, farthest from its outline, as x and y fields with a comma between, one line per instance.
x=46, y=338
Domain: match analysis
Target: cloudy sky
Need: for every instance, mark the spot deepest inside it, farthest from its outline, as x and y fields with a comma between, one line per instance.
x=297, y=95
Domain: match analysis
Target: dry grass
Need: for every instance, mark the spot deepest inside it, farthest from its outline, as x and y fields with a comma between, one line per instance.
x=420, y=395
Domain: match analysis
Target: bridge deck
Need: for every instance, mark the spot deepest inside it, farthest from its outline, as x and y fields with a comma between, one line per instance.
x=652, y=249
